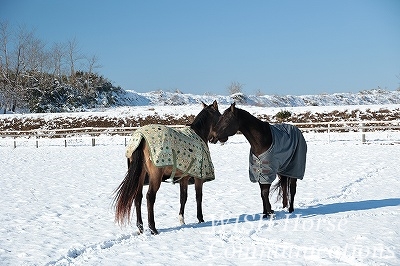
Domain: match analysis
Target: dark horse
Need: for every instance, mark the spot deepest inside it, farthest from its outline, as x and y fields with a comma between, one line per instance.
x=275, y=150
x=141, y=168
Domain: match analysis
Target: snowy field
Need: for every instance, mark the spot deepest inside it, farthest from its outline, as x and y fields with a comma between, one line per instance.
x=56, y=208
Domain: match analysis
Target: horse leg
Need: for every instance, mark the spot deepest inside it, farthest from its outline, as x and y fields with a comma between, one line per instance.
x=265, y=198
x=138, y=204
x=284, y=188
x=293, y=186
x=154, y=185
x=183, y=198
x=198, y=183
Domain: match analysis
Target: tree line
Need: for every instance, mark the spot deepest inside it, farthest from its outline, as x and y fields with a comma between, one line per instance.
x=38, y=77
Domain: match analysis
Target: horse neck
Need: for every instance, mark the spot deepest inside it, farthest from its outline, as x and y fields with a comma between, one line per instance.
x=257, y=132
x=201, y=126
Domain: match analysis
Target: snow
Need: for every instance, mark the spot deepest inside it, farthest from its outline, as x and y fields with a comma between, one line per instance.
x=56, y=207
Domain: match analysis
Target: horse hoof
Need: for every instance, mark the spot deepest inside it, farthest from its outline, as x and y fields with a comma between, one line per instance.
x=181, y=219
x=153, y=231
x=201, y=221
x=268, y=214
x=140, y=227
x=291, y=210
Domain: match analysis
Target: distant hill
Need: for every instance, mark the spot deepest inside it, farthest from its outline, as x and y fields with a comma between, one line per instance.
x=367, y=97
x=107, y=96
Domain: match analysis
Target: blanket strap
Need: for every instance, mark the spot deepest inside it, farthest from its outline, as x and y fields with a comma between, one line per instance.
x=189, y=167
x=173, y=166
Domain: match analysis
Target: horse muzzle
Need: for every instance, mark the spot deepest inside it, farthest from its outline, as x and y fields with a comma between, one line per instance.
x=215, y=138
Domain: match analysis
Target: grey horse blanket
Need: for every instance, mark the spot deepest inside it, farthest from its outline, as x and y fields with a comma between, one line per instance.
x=286, y=156
x=181, y=148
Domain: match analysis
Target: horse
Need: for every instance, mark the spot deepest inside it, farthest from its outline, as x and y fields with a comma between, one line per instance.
x=190, y=158
x=278, y=149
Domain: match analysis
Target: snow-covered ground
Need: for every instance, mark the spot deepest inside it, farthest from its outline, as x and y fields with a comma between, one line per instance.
x=56, y=208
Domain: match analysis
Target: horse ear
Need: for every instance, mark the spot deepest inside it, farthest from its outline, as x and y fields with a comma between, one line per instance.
x=215, y=105
x=204, y=105
x=233, y=107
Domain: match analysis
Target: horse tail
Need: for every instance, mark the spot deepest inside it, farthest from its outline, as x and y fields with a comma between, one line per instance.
x=283, y=181
x=126, y=192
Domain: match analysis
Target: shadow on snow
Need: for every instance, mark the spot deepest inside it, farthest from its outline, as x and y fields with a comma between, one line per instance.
x=319, y=209
x=315, y=210
x=322, y=209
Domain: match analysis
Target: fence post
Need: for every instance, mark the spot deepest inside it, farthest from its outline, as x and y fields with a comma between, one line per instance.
x=37, y=143
x=15, y=144
x=329, y=132
x=93, y=142
x=363, y=134
x=65, y=142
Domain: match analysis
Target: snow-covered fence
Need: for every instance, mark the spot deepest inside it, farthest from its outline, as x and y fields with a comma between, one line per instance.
x=327, y=130
x=361, y=128
x=67, y=134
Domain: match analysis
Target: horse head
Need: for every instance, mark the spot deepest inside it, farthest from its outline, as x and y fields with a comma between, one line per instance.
x=227, y=125
x=205, y=121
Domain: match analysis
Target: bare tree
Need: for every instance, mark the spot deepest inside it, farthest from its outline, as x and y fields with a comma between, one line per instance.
x=35, y=63
x=4, y=57
x=57, y=55
x=21, y=53
x=5, y=82
x=235, y=87
x=34, y=51
x=73, y=56
x=92, y=65
x=17, y=67
x=27, y=65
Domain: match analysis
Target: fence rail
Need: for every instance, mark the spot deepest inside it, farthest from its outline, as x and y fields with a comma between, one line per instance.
x=93, y=132
x=345, y=126
x=350, y=126
x=71, y=132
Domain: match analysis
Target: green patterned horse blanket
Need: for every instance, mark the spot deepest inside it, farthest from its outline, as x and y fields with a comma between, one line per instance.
x=180, y=148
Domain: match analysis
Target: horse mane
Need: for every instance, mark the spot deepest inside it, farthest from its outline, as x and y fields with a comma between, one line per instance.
x=246, y=116
x=257, y=132
x=200, y=124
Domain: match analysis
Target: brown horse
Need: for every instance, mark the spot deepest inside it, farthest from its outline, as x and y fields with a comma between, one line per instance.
x=275, y=150
x=142, y=165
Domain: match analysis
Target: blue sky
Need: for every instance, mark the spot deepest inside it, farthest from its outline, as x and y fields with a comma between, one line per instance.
x=273, y=47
